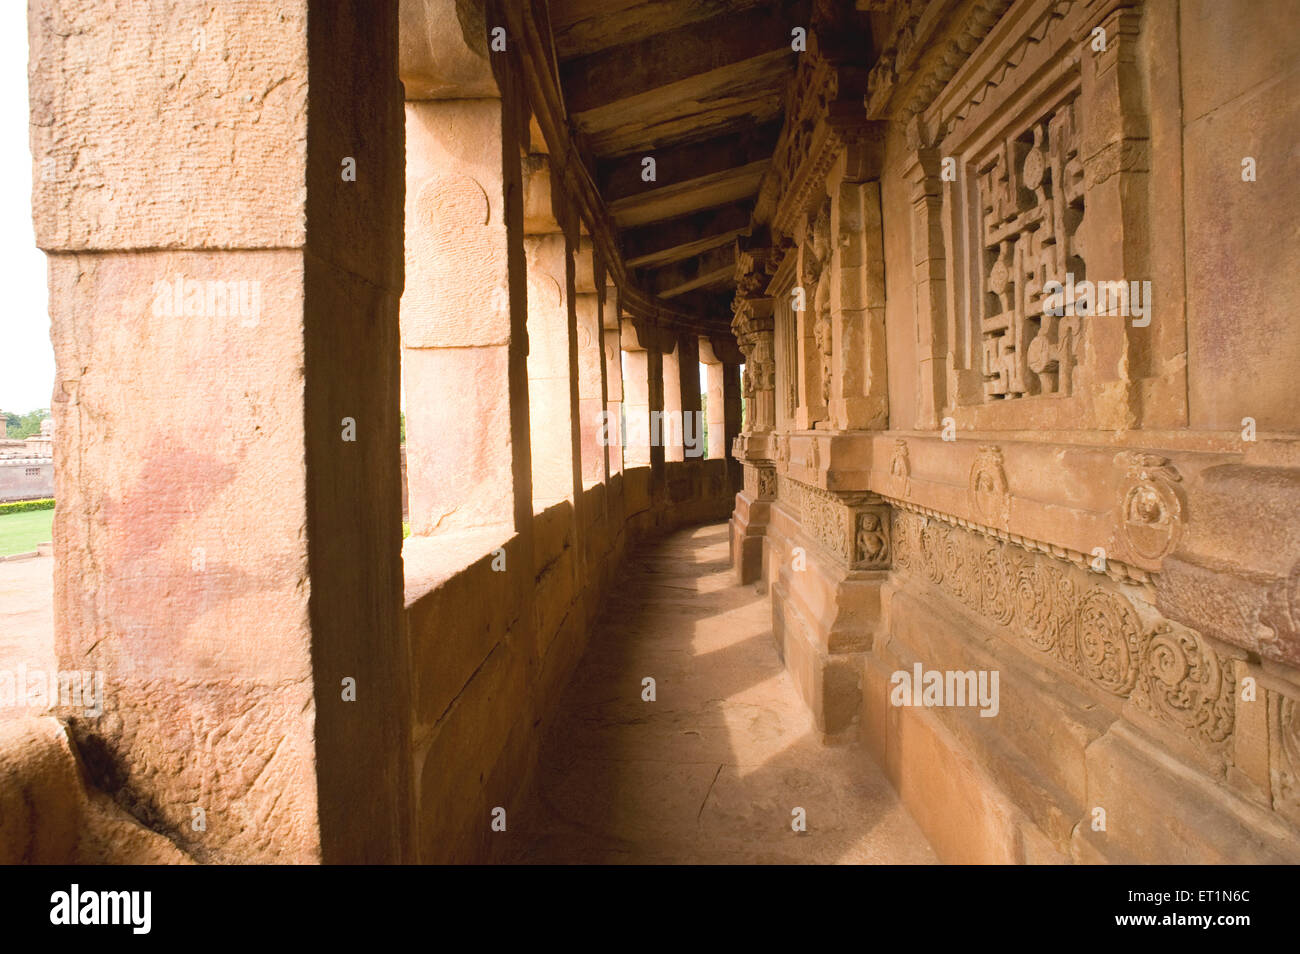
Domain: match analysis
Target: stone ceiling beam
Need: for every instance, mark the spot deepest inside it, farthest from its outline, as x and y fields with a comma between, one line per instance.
x=682, y=198
x=687, y=53
x=698, y=107
x=531, y=54
x=715, y=267
x=623, y=177
x=672, y=241
x=585, y=26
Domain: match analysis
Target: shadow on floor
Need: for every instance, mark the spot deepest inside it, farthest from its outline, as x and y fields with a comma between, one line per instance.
x=711, y=771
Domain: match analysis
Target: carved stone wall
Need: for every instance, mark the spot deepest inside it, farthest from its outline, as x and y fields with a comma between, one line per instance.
x=1030, y=189
x=854, y=529
x=1033, y=462
x=760, y=482
x=1104, y=633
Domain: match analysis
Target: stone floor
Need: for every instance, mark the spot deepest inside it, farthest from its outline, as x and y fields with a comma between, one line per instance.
x=711, y=771
x=26, y=620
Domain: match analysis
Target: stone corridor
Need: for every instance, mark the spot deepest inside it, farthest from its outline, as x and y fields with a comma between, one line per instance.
x=711, y=770
x=975, y=301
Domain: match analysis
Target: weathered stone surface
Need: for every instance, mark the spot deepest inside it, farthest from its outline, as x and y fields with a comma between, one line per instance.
x=47, y=816
x=1063, y=513
x=936, y=468
x=169, y=127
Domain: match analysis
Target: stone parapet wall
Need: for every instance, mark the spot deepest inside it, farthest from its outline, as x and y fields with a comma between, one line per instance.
x=26, y=479
x=493, y=646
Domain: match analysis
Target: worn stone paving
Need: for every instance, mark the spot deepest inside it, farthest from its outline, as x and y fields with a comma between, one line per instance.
x=711, y=771
x=26, y=622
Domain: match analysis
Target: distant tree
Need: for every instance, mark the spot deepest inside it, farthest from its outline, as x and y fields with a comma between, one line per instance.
x=402, y=417
x=20, y=427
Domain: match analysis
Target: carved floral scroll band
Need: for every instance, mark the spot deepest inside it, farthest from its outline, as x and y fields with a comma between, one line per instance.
x=1172, y=674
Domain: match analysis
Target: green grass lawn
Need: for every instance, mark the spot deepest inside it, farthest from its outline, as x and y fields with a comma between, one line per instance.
x=20, y=532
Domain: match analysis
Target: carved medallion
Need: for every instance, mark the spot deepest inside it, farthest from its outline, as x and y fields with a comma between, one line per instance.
x=989, y=496
x=1109, y=640
x=1036, y=589
x=450, y=265
x=1150, y=520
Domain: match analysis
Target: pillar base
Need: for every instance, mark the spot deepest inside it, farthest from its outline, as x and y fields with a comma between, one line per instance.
x=826, y=618
x=747, y=526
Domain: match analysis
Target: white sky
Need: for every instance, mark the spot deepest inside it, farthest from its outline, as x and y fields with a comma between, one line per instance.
x=26, y=357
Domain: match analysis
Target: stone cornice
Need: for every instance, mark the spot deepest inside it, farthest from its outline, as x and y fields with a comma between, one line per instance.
x=823, y=117
x=1017, y=45
x=930, y=41
x=1115, y=569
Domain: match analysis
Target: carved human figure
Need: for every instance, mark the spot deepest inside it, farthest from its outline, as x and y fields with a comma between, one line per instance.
x=818, y=263
x=871, y=538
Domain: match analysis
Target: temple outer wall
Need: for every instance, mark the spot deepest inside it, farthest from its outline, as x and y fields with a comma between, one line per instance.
x=1120, y=552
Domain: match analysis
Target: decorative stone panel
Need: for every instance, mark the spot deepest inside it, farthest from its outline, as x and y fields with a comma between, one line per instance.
x=854, y=529
x=1030, y=188
x=1083, y=622
x=760, y=482
x=871, y=540
x=1284, y=754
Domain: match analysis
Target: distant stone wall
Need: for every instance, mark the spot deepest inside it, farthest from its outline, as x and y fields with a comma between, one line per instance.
x=26, y=479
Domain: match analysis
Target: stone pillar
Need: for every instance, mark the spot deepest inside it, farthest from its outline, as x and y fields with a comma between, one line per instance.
x=688, y=373
x=552, y=343
x=731, y=420
x=591, y=401
x=859, y=385
x=1115, y=150
x=670, y=426
x=760, y=368
x=613, y=384
x=754, y=447
x=715, y=410
x=810, y=309
x=228, y=540
x=636, y=397
x=928, y=264
x=655, y=374
x=462, y=329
